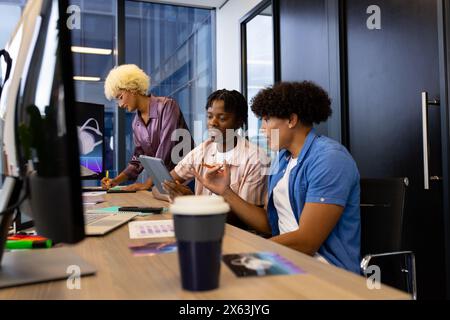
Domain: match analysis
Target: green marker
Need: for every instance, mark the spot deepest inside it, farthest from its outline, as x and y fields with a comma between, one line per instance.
x=28, y=244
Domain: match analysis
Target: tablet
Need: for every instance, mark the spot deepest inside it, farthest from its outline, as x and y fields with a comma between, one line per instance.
x=157, y=171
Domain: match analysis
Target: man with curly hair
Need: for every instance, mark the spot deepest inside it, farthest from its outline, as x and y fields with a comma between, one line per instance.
x=155, y=121
x=226, y=112
x=313, y=193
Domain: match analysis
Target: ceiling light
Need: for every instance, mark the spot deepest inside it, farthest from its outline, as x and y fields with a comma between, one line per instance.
x=81, y=78
x=91, y=50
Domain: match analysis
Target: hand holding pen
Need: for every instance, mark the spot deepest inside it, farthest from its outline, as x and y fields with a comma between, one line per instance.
x=108, y=183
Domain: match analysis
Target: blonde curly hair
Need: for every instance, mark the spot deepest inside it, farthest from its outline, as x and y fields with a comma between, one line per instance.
x=127, y=77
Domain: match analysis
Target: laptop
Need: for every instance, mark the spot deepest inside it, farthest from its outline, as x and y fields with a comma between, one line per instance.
x=98, y=224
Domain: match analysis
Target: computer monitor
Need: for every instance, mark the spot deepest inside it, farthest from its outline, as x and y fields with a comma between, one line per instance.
x=91, y=132
x=41, y=145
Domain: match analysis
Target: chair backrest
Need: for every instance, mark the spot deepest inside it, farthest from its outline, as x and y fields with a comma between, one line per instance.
x=382, y=231
x=382, y=214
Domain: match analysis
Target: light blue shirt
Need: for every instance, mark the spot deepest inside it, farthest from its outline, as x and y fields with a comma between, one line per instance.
x=325, y=173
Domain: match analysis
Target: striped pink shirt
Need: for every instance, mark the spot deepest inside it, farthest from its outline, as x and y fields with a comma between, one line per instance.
x=248, y=169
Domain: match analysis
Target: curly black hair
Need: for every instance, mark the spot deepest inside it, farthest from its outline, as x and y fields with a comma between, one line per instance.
x=234, y=102
x=305, y=99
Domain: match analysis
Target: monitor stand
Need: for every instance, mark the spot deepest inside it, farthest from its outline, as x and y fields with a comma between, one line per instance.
x=35, y=265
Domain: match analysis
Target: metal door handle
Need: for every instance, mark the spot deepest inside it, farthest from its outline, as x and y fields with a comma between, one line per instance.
x=426, y=145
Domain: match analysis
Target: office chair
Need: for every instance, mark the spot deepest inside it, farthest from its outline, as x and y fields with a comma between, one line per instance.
x=382, y=231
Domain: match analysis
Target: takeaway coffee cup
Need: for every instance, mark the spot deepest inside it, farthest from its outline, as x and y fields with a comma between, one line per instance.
x=199, y=223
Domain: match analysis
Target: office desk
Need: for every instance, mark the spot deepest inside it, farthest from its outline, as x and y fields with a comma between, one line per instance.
x=120, y=275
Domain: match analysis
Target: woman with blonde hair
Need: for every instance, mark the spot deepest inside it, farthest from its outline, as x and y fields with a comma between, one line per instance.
x=155, y=121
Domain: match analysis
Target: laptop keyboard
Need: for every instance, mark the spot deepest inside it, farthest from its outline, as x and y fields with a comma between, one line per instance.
x=91, y=218
x=105, y=223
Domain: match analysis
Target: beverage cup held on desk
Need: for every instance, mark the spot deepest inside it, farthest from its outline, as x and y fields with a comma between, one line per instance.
x=199, y=223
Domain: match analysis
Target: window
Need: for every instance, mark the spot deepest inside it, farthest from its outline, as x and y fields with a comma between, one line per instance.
x=258, y=60
x=10, y=12
x=91, y=69
x=174, y=45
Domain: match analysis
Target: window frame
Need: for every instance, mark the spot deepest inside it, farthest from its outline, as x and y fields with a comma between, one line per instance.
x=276, y=41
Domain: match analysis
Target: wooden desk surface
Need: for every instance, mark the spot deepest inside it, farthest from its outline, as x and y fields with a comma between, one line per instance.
x=120, y=275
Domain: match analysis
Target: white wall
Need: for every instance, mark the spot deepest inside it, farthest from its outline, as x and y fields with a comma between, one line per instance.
x=228, y=42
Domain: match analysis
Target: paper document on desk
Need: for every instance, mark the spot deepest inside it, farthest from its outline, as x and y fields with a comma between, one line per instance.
x=94, y=197
x=259, y=264
x=154, y=248
x=114, y=209
x=151, y=229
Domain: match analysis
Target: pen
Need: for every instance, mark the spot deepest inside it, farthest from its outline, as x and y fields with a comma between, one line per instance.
x=107, y=174
x=28, y=244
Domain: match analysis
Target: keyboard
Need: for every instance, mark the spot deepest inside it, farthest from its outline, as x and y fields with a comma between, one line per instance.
x=97, y=224
x=92, y=217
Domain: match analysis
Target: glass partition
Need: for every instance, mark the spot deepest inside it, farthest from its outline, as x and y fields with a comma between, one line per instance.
x=259, y=67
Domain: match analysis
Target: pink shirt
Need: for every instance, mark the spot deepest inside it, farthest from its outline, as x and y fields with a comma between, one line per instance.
x=248, y=168
x=154, y=139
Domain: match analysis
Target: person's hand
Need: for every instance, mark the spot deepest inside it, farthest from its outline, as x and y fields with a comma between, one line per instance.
x=136, y=187
x=217, y=179
x=175, y=189
x=108, y=183
x=158, y=195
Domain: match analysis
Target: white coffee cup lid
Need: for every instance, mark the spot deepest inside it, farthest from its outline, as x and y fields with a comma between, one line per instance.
x=199, y=205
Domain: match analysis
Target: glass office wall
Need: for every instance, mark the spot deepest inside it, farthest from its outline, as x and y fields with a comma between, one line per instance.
x=10, y=12
x=259, y=61
x=93, y=29
x=174, y=45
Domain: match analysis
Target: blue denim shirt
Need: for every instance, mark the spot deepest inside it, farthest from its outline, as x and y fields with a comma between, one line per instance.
x=325, y=173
